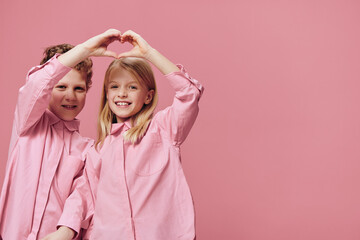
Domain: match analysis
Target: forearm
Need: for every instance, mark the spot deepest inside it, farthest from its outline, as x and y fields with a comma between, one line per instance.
x=67, y=233
x=161, y=62
x=79, y=206
x=74, y=56
x=63, y=233
x=179, y=118
x=95, y=46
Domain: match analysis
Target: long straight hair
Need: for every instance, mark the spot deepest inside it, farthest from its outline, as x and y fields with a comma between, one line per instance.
x=141, y=70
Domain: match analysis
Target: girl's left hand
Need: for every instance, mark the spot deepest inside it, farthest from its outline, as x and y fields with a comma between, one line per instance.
x=141, y=47
x=63, y=233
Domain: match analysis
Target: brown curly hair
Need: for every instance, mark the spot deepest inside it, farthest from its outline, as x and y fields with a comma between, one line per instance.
x=84, y=67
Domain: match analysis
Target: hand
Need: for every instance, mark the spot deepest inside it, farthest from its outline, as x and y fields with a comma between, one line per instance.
x=143, y=50
x=63, y=233
x=141, y=47
x=97, y=46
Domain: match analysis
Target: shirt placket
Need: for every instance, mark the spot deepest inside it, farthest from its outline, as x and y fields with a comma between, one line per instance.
x=127, y=227
x=46, y=178
x=132, y=232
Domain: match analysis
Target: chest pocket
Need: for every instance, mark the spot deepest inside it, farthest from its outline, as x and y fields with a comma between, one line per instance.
x=148, y=157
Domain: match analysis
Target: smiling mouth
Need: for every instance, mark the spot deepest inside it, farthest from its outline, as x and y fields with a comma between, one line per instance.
x=122, y=103
x=69, y=107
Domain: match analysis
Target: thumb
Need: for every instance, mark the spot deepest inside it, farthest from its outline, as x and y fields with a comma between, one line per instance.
x=110, y=54
x=126, y=54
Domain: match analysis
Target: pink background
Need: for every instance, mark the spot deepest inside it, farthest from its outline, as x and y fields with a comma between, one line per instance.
x=275, y=151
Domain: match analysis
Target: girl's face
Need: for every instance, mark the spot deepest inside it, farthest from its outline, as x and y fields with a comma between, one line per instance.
x=68, y=96
x=125, y=95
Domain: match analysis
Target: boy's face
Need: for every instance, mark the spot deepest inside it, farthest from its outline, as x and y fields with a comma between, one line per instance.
x=68, y=96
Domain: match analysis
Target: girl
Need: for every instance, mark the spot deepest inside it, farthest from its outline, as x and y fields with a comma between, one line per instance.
x=141, y=191
x=46, y=154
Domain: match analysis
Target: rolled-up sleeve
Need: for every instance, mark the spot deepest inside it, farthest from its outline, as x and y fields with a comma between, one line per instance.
x=178, y=119
x=34, y=96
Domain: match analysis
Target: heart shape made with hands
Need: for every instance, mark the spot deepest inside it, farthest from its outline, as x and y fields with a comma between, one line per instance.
x=139, y=49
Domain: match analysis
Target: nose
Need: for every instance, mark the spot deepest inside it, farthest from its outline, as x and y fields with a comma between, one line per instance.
x=122, y=93
x=70, y=95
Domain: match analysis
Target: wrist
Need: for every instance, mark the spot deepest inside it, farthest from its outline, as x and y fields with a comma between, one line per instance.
x=77, y=54
x=68, y=232
x=151, y=54
x=82, y=50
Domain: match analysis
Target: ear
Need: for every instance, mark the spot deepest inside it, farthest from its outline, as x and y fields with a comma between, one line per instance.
x=149, y=96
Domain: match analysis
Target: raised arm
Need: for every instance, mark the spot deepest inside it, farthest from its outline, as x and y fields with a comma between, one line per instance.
x=143, y=50
x=34, y=96
x=177, y=119
x=95, y=46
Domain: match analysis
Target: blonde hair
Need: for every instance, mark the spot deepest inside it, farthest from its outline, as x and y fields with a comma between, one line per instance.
x=141, y=70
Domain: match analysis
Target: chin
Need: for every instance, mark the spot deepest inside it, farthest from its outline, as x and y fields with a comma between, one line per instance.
x=67, y=117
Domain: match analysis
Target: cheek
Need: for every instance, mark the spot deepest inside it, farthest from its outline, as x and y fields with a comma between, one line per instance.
x=82, y=98
x=55, y=96
x=55, y=100
x=110, y=94
x=143, y=98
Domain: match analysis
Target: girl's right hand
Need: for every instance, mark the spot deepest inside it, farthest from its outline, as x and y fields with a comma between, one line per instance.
x=63, y=233
x=143, y=50
x=97, y=46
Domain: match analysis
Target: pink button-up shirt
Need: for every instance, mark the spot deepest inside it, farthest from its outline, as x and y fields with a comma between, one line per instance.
x=141, y=190
x=45, y=163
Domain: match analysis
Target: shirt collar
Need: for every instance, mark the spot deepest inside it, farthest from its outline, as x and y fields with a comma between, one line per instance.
x=115, y=127
x=72, y=125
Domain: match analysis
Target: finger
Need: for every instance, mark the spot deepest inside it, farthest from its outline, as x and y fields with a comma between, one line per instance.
x=112, y=32
x=130, y=34
x=108, y=53
x=112, y=39
x=134, y=39
x=128, y=39
x=110, y=35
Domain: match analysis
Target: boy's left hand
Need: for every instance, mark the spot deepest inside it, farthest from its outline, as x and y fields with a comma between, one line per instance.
x=63, y=233
x=97, y=46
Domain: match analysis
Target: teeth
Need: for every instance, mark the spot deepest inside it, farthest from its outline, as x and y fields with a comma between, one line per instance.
x=69, y=107
x=122, y=103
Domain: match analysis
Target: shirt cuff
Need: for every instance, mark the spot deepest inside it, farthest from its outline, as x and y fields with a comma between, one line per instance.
x=181, y=79
x=53, y=68
x=70, y=222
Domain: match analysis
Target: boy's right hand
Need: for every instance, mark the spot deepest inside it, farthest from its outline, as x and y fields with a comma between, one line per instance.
x=97, y=46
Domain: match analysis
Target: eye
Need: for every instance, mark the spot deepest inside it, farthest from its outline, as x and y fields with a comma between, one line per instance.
x=113, y=86
x=60, y=87
x=79, y=89
x=133, y=87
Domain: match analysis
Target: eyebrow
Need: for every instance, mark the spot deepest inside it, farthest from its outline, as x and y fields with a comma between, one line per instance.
x=76, y=85
x=132, y=82
x=80, y=84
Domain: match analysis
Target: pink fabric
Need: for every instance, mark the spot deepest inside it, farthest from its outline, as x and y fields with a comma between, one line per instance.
x=141, y=190
x=45, y=163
